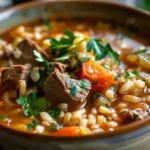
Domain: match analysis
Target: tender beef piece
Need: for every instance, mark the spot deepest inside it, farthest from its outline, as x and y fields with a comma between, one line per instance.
x=133, y=115
x=27, y=57
x=56, y=65
x=10, y=76
x=57, y=90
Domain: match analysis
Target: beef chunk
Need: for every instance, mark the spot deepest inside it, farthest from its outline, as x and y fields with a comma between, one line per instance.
x=136, y=114
x=10, y=76
x=27, y=57
x=60, y=88
x=56, y=65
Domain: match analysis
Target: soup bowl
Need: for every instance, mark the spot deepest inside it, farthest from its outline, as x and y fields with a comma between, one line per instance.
x=132, y=136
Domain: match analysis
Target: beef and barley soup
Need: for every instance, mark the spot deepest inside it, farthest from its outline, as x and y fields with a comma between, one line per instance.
x=68, y=77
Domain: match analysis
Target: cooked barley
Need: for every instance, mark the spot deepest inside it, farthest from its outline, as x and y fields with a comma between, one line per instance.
x=131, y=99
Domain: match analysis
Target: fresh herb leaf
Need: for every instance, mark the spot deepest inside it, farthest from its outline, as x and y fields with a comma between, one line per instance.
x=4, y=118
x=102, y=51
x=78, y=64
x=85, y=84
x=66, y=56
x=32, y=105
x=43, y=72
x=54, y=113
x=132, y=74
x=53, y=128
x=40, y=104
x=46, y=22
x=38, y=56
x=64, y=43
x=112, y=54
x=21, y=100
x=141, y=51
x=106, y=66
x=33, y=125
x=73, y=90
x=98, y=49
x=136, y=72
x=110, y=101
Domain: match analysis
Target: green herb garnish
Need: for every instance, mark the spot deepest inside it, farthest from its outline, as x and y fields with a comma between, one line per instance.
x=43, y=72
x=102, y=51
x=46, y=22
x=54, y=113
x=32, y=125
x=132, y=74
x=4, y=118
x=66, y=49
x=64, y=43
x=73, y=90
x=53, y=128
x=141, y=51
x=78, y=64
x=106, y=66
x=32, y=105
x=85, y=84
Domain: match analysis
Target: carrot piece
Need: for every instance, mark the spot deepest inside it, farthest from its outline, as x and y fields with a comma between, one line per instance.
x=68, y=131
x=100, y=77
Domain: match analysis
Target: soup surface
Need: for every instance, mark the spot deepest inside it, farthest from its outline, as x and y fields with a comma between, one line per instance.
x=69, y=77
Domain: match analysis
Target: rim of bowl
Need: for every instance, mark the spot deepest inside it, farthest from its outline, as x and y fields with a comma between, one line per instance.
x=108, y=134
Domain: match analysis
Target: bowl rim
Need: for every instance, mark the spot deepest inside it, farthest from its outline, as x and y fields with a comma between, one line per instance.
x=132, y=127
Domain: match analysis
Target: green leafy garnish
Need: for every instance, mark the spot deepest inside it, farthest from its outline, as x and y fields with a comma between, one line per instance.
x=46, y=22
x=112, y=54
x=132, y=74
x=38, y=56
x=78, y=64
x=141, y=51
x=33, y=125
x=106, y=66
x=73, y=90
x=43, y=72
x=4, y=118
x=32, y=105
x=102, y=51
x=66, y=49
x=64, y=43
x=85, y=84
x=98, y=49
x=66, y=56
x=54, y=113
x=53, y=128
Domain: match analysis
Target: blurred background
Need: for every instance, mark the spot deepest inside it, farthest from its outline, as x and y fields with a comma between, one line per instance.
x=144, y=4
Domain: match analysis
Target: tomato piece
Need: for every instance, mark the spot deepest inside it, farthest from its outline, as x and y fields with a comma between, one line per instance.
x=68, y=131
x=100, y=77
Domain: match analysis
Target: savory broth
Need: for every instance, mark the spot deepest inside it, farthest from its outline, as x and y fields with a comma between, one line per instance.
x=73, y=76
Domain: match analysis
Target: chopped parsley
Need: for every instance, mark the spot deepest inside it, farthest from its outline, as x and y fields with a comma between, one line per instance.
x=73, y=90
x=4, y=118
x=46, y=23
x=43, y=72
x=85, y=84
x=106, y=66
x=54, y=113
x=141, y=51
x=63, y=44
x=32, y=125
x=78, y=64
x=132, y=74
x=65, y=48
x=53, y=128
x=102, y=51
x=32, y=105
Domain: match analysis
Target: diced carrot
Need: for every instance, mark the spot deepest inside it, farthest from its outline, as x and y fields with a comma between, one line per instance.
x=67, y=131
x=100, y=77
